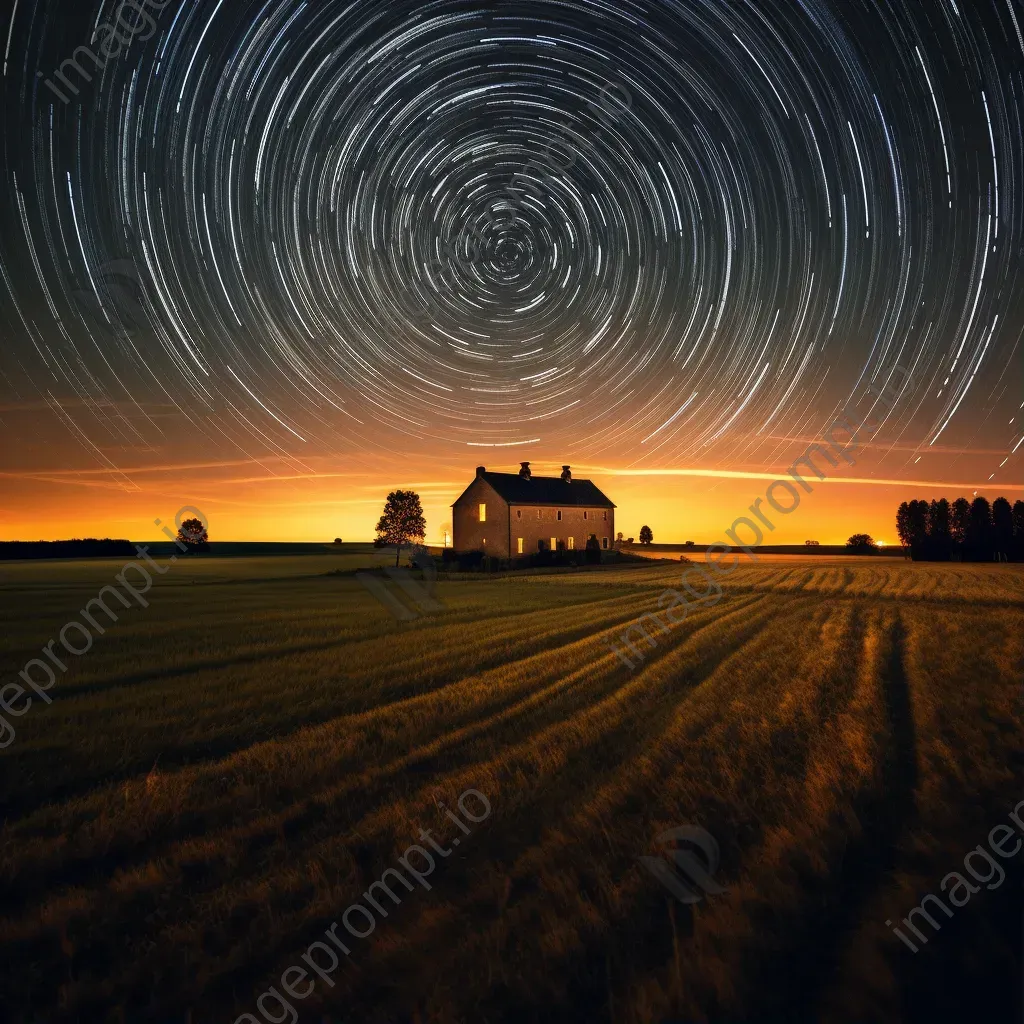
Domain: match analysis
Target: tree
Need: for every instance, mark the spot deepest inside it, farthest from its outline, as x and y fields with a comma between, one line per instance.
x=192, y=533
x=811, y=543
x=940, y=537
x=979, y=530
x=593, y=551
x=960, y=520
x=646, y=536
x=917, y=524
x=1002, y=528
x=337, y=540
x=912, y=527
x=1018, y=530
x=903, y=526
x=402, y=521
x=862, y=544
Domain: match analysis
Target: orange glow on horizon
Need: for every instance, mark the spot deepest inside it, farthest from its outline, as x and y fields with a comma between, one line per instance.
x=276, y=500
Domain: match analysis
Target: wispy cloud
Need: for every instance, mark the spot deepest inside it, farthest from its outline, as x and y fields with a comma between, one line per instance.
x=741, y=474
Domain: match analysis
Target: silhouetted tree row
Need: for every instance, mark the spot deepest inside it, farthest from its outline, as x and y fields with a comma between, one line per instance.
x=90, y=547
x=962, y=531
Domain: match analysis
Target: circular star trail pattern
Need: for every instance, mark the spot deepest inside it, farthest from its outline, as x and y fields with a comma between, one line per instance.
x=660, y=230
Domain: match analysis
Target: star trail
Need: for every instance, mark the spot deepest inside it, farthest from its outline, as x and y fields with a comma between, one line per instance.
x=651, y=234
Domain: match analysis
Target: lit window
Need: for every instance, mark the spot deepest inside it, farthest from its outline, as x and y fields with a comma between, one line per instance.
x=554, y=544
x=538, y=515
x=483, y=512
x=604, y=542
x=604, y=516
x=520, y=545
x=559, y=515
x=572, y=543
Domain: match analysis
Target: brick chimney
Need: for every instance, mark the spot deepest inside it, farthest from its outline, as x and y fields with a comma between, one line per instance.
x=566, y=474
x=480, y=470
x=524, y=470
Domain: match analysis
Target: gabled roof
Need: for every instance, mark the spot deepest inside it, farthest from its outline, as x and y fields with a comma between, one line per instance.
x=545, y=490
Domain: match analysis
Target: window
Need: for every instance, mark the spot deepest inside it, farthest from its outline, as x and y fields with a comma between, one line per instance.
x=554, y=544
x=572, y=543
x=604, y=542
x=559, y=515
x=519, y=545
x=519, y=513
x=604, y=516
x=538, y=515
x=483, y=512
x=584, y=513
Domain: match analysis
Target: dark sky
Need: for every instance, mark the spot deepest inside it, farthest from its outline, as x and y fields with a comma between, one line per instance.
x=664, y=235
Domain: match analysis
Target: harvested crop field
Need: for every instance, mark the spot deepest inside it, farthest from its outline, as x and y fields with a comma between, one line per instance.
x=230, y=768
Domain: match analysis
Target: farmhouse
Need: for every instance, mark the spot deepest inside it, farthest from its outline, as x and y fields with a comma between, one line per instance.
x=509, y=514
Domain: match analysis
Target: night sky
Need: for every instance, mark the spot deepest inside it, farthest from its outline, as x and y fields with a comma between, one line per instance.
x=277, y=258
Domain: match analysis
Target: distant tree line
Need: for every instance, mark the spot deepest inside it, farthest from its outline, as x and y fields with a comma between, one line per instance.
x=90, y=547
x=962, y=531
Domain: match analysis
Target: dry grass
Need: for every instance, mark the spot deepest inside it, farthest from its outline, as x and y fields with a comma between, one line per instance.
x=229, y=769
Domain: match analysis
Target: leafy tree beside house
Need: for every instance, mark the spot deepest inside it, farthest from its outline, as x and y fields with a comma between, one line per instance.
x=193, y=534
x=402, y=521
x=646, y=536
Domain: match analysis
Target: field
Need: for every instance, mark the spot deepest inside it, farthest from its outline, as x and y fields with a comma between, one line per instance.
x=228, y=769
